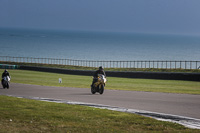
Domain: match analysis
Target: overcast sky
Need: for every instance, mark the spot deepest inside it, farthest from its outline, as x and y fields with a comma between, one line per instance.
x=162, y=16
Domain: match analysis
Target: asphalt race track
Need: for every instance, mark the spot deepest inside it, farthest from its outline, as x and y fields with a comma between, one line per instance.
x=176, y=104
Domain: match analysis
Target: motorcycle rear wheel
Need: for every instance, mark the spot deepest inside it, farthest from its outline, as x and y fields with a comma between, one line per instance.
x=7, y=86
x=4, y=84
x=93, y=90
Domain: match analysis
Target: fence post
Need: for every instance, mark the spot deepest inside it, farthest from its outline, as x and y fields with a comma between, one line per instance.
x=175, y=64
x=196, y=65
x=180, y=64
x=185, y=64
x=153, y=64
x=157, y=64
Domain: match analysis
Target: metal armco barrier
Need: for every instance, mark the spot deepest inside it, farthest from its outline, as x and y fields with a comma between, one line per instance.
x=142, y=75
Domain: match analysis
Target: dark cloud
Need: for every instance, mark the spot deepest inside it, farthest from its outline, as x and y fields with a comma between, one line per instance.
x=165, y=16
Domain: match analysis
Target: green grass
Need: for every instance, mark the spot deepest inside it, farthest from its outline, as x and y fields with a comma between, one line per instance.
x=24, y=115
x=51, y=79
x=31, y=116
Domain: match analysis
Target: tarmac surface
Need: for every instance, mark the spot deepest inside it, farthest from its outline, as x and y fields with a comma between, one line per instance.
x=176, y=104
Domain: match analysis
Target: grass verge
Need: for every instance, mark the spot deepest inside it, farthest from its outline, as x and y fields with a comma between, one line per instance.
x=51, y=79
x=25, y=115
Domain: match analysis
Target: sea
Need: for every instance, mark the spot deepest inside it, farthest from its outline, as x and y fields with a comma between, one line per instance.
x=98, y=46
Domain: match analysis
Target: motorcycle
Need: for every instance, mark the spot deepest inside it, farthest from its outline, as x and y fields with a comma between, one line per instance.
x=6, y=82
x=99, y=85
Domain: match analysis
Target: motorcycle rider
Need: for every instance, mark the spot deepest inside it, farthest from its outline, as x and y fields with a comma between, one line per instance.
x=100, y=71
x=4, y=74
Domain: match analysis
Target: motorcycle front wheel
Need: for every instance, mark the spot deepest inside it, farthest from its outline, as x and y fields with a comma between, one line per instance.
x=101, y=90
x=7, y=85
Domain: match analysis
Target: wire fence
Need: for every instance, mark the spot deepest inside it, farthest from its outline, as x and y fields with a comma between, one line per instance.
x=106, y=64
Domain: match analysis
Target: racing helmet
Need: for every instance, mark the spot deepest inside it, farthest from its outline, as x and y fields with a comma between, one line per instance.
x=101, y=68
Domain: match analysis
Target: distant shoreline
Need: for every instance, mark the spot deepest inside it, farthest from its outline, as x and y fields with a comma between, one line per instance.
x=94, y=45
